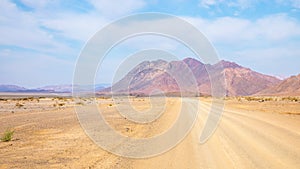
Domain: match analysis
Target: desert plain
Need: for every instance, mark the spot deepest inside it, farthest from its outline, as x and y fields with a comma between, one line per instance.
x=254, y=132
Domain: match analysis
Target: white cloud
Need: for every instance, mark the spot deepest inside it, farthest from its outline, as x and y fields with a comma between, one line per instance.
x=208, y=3
x=243, y=4
x=274, y=28
x=295, y=3
x=40, y=42
x=38, y=5
x=117, y=7
x=22, y=29
x=278, y=27
x=81, y=27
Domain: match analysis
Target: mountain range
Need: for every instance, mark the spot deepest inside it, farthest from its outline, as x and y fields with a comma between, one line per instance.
x=288, y=87
x=184, y=76
x=52, y=88
x=165, y=76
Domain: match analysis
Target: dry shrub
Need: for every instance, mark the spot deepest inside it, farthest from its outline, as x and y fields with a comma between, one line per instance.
x=7, y=135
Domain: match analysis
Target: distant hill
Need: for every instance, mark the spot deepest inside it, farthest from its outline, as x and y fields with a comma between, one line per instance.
x=243, y=81
x=68, y=88
x=288, y=87
x=52, y=88
x=151, y=75
x=57, y=88
x=11, y=88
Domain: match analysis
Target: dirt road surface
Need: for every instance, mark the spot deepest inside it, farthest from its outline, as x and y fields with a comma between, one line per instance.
x=249, y=135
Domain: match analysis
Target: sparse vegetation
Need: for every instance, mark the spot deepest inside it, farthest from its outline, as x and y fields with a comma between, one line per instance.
x=252, y=99
x=265, y=99
x=24, y=99
x=19, y=105
x=110, y=105
x=295, y=99
x=28, y=99
x=268, y=99
x=259, y=99
x=58, y=104
x=61, y=104
x=7, y=135
x=80, y=103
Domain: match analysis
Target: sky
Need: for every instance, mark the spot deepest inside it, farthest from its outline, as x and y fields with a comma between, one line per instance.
x=40, y=41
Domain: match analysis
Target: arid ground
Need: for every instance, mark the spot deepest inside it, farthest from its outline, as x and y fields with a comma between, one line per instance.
x=253, y=133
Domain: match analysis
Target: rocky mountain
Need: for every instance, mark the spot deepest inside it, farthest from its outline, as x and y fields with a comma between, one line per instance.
x=242, y=81
x=190, y=74
x=288, y=87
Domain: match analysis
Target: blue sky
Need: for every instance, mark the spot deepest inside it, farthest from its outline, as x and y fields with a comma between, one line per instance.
x=41, y=40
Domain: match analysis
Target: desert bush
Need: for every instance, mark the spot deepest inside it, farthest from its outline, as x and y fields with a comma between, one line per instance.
x=110, y=105
x=63, y=99
x=252, y=99
x=80, y=103
x=248, y=98
x=260, y=99
x=268, y=99
x=61, y=104
x=295, y=99
x=25, y=99
x=7, y=135
x=19, y=105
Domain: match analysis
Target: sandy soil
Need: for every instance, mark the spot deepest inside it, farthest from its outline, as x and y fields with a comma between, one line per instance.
x=251, y=134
